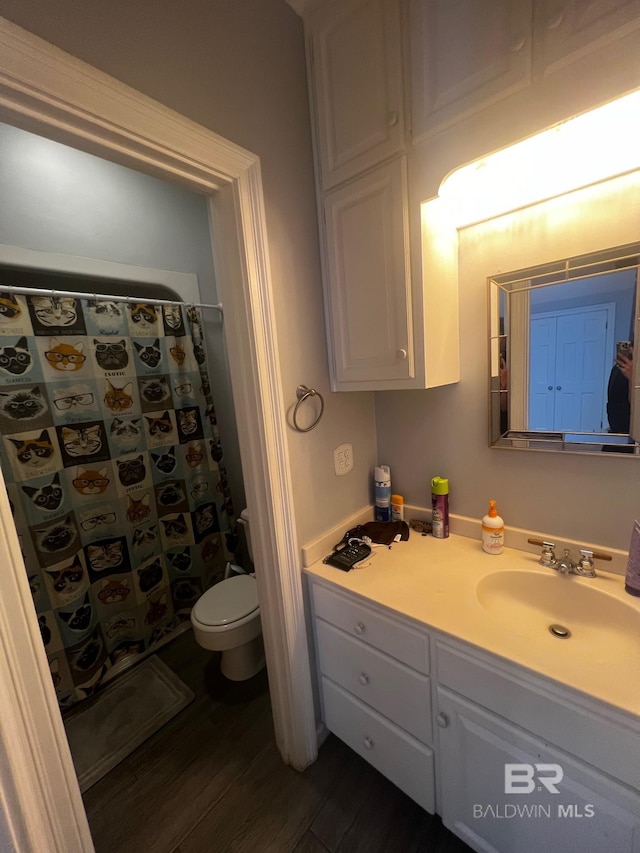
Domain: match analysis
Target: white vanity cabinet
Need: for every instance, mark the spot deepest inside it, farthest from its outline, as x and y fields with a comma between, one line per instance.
x=511, y=760
x=355, y=60
x=525, y=767
x=375, y=689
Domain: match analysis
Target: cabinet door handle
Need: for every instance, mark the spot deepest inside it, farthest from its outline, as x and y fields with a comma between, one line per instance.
x=554, y=23
x=558, y=387
x=363, y=678
x=392, y=118
x=442, y=720
x=517, y=44
x=402, y=354
x=368, y=743
x=359, y=627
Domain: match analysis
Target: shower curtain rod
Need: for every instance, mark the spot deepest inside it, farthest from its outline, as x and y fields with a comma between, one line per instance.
x=50, y=291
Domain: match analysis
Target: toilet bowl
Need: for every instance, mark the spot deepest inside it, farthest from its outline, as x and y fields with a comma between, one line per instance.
x=227, y=619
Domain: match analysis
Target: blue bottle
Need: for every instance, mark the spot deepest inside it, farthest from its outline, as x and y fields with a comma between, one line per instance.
x=382, y=478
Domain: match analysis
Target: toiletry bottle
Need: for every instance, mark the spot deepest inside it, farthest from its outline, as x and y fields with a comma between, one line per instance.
x=440, y=507
x=632, y=577
x=492, y=531
x=397, y=508
x=382, y=476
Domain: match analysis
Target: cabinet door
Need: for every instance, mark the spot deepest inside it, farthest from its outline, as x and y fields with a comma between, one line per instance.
x=549, y=801
x=466, y=54
x=356, y=71
x=569, y=29
x=368, y=278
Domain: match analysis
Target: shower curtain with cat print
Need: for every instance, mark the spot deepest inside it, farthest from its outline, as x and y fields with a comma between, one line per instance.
x=115, y=474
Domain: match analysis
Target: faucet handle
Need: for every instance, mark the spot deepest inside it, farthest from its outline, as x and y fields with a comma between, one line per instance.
x=585, y=566
x=548, y=555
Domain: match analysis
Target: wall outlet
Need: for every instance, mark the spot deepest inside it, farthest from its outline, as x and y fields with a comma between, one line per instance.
x=343, y=459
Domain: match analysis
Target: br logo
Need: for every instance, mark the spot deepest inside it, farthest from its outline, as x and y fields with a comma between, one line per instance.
x=525, y=778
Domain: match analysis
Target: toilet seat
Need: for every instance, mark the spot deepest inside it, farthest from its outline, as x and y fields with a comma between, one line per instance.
x=228, y=602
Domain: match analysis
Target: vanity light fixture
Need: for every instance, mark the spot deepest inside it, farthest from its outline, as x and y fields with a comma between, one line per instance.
x=584, y=150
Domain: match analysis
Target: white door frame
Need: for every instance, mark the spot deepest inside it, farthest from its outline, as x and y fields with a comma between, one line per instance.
x=47, y=91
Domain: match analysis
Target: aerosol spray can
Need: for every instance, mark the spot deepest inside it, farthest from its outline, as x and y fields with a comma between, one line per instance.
x=440, y=507
x=382, y=477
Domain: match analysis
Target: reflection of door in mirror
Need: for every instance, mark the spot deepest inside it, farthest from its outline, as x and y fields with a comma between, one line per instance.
x=557, y=330
x=568, y=369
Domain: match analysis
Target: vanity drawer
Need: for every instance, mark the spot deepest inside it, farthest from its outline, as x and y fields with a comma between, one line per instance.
x=400, y=693
x=398, y=640
x=404, y=761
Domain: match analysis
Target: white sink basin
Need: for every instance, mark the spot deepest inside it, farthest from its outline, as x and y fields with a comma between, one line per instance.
x=529, y=602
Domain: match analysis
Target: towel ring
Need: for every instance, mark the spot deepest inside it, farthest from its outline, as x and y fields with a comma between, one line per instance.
x=303, y=393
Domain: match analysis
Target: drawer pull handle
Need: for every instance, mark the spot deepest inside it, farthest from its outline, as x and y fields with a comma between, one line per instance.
x=360, y=628
x=363, y=678
x=442, y=720
x=368, y=743
x=392, y=118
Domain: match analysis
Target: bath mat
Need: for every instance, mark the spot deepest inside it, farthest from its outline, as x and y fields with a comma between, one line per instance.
x=124, y=715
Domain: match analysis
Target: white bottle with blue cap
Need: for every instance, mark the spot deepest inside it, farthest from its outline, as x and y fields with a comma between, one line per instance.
x=382, y=478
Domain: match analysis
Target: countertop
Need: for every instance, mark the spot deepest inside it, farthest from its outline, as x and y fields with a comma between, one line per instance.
x=439, y=583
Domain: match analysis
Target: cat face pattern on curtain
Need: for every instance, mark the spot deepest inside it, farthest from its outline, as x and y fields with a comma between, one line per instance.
x=115, y=474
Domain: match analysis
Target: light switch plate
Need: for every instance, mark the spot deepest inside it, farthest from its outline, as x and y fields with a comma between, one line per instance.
x=343, y=459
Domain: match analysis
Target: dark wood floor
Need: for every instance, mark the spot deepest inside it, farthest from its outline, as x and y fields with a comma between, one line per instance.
x=212, y=781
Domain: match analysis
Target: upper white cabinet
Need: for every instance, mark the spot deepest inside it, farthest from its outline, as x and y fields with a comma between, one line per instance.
x=356, y=69
x=467, y=55
x=376, y=307
x=569, y=29
x=464, y=55
x=475, y=76
x=368, y=282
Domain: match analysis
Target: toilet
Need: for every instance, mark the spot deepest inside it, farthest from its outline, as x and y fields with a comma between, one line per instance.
x=226, y=618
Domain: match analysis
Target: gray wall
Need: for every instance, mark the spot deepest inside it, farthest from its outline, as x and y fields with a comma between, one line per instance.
x=238, y=68
x=58, y=200
x=444, y=431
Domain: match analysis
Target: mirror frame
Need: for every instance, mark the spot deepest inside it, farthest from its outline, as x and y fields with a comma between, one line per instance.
x=502, y=318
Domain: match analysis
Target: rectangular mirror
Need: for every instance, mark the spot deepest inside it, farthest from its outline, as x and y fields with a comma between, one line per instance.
x=562, y=372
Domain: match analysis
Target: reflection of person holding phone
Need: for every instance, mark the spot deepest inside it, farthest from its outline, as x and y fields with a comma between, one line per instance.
x=619, y=389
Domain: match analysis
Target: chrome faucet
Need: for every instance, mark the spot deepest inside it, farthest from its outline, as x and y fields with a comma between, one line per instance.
x=565, y=565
